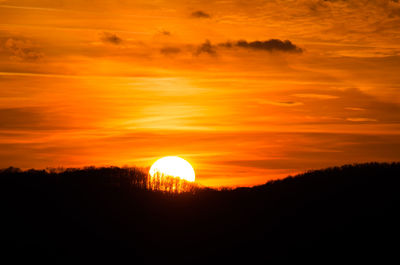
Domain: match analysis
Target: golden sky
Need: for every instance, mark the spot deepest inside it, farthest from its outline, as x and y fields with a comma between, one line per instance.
x=246, y=91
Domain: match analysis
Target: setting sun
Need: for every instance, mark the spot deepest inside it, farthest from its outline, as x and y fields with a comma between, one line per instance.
x=173, y=166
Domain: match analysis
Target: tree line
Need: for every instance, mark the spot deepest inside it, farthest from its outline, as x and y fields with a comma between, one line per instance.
x=119, y=177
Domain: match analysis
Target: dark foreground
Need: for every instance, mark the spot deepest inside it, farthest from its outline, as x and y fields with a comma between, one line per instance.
x=337, y=215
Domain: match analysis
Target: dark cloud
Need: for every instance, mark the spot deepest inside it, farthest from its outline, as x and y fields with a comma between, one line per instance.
x=165, y=32
x=170, y=50
x=110, y=38
x=288, y=103
x=200, y=14
x=206, y=47
x=22, y=50
x=269, y=45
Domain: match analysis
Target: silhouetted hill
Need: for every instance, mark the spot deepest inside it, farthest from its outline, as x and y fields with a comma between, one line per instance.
x=106, y=215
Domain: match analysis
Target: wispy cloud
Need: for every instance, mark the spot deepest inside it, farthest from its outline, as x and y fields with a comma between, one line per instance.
x=30, y=8
x=315, y=96
x=281, y=103
x=112, y=38
x=354, y=109
x=165, y=32
x=200, y=14
x=359, y=119
x=206, y=47
x=22, y=50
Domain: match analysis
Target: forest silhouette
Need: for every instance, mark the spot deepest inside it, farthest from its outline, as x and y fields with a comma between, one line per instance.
x=113, y=215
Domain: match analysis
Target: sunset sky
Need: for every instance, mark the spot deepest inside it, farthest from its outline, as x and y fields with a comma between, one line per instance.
x=246, y=91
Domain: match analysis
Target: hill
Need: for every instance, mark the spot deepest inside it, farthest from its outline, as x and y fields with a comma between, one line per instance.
x=106, y=215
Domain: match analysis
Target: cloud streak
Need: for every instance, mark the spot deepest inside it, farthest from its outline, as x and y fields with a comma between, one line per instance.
x=22, y=50
x=360, y=119
x=112, y=38
x=206, y=47
x=268, y=45
x=200, y=14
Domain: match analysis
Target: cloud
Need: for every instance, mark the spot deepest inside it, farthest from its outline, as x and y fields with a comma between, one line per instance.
x=110, y=38
x=361, y=119
x=200, y=14
x=28, y=7
x=281, y=103
x=22, y=50
x=271, y=45
x=354, y=109
x=268, y=45
x=389, y=8
x=315, y=96
x=206, y=47
x=170, y=50
x=165, y=32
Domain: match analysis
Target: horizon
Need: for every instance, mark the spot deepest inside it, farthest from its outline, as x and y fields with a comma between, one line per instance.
x=246, y=92
x=145, y=170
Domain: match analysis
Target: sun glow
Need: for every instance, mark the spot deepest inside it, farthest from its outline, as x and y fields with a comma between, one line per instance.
x=171, y=174
x=172, y=166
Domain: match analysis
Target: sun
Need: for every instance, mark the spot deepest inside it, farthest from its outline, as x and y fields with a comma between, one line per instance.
x=173, y=166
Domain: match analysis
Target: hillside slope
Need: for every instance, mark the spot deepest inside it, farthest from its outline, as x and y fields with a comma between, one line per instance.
x=343, y=214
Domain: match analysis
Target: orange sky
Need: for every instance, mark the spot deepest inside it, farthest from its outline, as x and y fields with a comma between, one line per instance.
x=105, y=82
